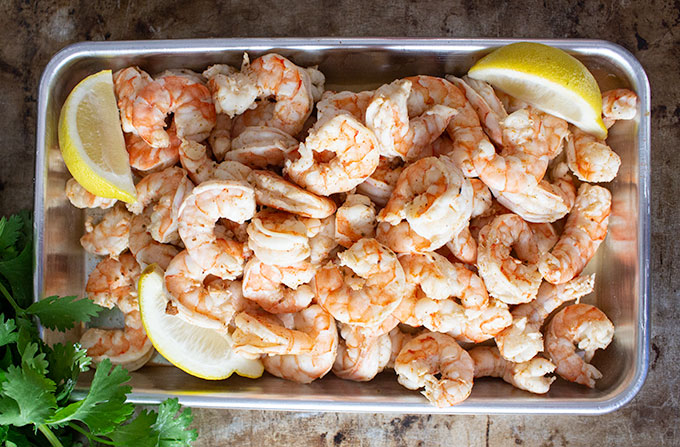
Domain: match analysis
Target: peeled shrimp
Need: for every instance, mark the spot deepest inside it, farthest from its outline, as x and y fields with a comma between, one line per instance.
x=481, y=197
x=361, y=358
x=463, y=246
x=259, y=147
x=201, y=168
x=522, y=340
x=355, y=156
x=145, y=158
x=81, y=198
x=110, y=236
x=433, y=197
x=203, y=304
x=618, y=104
x=351, y=103
x=364, y=287
x=323, y=244
x=154, y=186
x=484, y=325
x=127, y=83
x=220, y=136
x=583, y=233
x=381, y=183
x=398, y=339
x=431, y=354
x=291, y=87
x=112, y=282
x=208, y=202
x=401, y=238
x=483, y=99
x=590, y=158
x=264, y=284
x=545, y=235
x=354, y=220
x=528, y=376
x=278, y=237
x=585, y=326
x=276, y=192
x=234, y=92
x=508, y=279
x=189, y=101
x=144, y=247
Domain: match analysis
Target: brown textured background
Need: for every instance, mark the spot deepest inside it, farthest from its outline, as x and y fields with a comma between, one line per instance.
x=31, y=32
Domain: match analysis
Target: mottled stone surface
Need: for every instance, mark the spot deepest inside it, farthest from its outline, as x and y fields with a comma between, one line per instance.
x=31, y=32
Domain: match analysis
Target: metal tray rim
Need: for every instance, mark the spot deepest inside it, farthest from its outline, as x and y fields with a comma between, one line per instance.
x=634, y=68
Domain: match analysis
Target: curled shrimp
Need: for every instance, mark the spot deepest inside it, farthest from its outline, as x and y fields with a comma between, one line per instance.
x=522, y=340
x=274, y=191
x=197, y=301
x=336, y=103
x=582, y=325
x=201, y=168
x=290, y=86
x=189, y=101
x=259, y=147
x=145, y=158
x=431, y=354
x=354, y=220
x=264, y=284
x=112, y=282
x=484, y=101
x=433, y=197
x=463, y=247
x=322, y=244
x=110, y=236
x=545, y=202
x=81, y=198
x=590, y=158
x=144, y=247
x=481, y=198
x=220, y=136
x=483, y=325
x=401, y=238
x=360, y=358
x=545, y=235
x=381, y=183
x=364, y=287
x=387, y=116
x=127, y=83
x=277, y=237
x=355, y=156
x=583, y=233
x=618, y=104
x=508, y=279
x=398, y=339
x=528, y=376
x=208, y=202
x=233, y=91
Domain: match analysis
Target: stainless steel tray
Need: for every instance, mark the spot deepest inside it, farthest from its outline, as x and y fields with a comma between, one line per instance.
x=622, y=262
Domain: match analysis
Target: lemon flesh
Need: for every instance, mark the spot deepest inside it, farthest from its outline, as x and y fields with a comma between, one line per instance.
x=91, y=139
x=201, y=352
x=547, y=78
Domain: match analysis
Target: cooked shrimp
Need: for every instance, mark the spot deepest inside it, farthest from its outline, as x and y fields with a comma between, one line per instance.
x=464, y=128
x=401, y=238
x=263, y=284
x=145, y=158
x=545, y=202
x=81, y=198
x=484, y=325
x=590, y=158
x=220, y=137
x=127, y=83
x=201, y=168
x=112, y=282
x=279, y=238
x=306, y=367
x=508, y=279
x=354, y=220
x=431, y=354
x=155, y=186
x=323, y=244
x=144, y=248
x=584, y=231
x=398, y=339
x=528, y=376
x=206, y=305
x=585, y=326
x=332, y=104
x=381, y=183
x=110, y=236
x=545, y=235
x=433, y=197
x=522, y=340
x=483, y=99
x=208, y=202
x=387, y=116
x=355, y=156
x=189, y=101
x=364, y=287
x=618, y=104
x=290, y=86
x=276, y=192
x=463, y=247
x=259, y=147
x=481, y=197
x=234, y=92
x=361, y=358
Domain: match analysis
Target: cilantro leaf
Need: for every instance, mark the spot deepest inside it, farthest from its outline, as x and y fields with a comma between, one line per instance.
x=66, y=363
x=10, y=229
x=27, y=397
x=104, y=407
x=8, y=333
x=30, y=358
x=18, y=272
x=61, y=312
x=164, y=429
x=139, y=432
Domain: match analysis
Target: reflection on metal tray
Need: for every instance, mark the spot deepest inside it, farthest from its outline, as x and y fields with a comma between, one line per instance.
x=621, y=264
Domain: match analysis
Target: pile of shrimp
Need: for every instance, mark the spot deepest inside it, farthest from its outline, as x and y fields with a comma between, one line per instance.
x=431, y=226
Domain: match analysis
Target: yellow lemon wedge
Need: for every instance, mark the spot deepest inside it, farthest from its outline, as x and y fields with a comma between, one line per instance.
x=201, y=352
x=91, y=139
x=547, y=78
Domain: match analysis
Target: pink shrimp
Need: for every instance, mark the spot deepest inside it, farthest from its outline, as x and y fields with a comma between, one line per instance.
x=528, y=376
x=110, y=236
x=618, y=104
x=145, y=158
x=264, y=284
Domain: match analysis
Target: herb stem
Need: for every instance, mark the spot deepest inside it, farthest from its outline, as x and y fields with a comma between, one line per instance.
x=44, y=429
x=19, y=311
x=89, y=435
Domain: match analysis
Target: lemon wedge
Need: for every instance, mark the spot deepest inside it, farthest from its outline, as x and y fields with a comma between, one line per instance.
x=91, y=139
x=201, y=352
x=547, y=78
